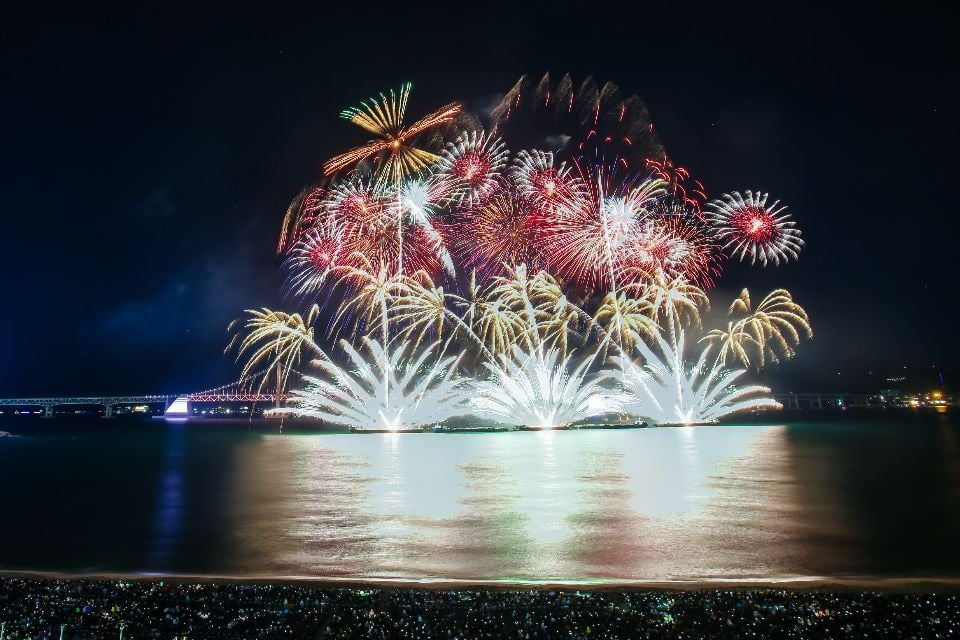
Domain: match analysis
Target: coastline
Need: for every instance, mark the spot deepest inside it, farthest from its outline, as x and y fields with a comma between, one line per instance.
x=901, y=584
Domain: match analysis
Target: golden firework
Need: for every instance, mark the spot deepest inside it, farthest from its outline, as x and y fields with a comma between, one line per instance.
x=770, y=331
x=275, y=339
x=383, y=116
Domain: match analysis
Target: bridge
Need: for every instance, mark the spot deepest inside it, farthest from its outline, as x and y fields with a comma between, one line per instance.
x=832, y=400
x=241, y=391
x=173, y=404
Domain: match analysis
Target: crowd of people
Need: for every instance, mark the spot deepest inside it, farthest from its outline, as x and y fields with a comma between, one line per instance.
x=33, y=609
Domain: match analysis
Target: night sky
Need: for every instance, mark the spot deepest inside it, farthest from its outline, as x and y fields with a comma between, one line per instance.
x=149, y=155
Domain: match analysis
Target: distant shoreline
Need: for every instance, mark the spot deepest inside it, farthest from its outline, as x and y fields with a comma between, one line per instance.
x=905, y=584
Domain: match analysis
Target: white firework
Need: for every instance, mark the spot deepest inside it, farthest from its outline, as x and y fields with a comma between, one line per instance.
x=661, y=388
x=419, y=198
x=540, y=388
x=385, y=390
x=747, y=226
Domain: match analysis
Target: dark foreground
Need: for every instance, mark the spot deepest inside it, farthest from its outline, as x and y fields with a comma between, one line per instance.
x=159, y=609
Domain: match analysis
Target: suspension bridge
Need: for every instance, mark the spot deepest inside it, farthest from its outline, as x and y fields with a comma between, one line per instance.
x=173, y=404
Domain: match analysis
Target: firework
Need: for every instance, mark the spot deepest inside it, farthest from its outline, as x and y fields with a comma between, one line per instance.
x=596, y=241
x=539, y=388
x=301, y=215
x=310, y=261
x=661, y=387
x=504, y=230
x=688, y=191
x=383, y=116
x=419, y=308
x=547, y=187
x=419, y=199
x=771, y=331
x=474, y=161
x=586, y=241
x=381, y=227
x=624, y=319
x=385, y=390
x=273, y=339
x=677, y=245
x=747, y=226
x=674, y=300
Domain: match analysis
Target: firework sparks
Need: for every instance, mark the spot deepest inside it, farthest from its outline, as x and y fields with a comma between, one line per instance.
x=771, y=331
x=748, y=226
x=539, y=388
x=383, y=116
x=504, y=230
x=595, y=241
x=385, y=390
x=687, y=190
x=661, y=387
x=274, y=339
x=474, y=161
x=548, y=188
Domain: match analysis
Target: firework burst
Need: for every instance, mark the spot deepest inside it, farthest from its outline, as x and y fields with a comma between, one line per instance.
x=595, y=242
x=504, y=230
x=747, y=226
x=687, y=191
x=474, y=162
x=661, y=386
x=385, y=390
x=548, y=187
x=770, y=331
x=383, y=116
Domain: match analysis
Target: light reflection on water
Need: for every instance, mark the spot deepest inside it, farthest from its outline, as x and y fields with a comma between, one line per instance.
x=869, y=498
x=537, y=505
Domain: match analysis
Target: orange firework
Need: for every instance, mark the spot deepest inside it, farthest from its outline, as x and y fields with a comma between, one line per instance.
x=383, y=117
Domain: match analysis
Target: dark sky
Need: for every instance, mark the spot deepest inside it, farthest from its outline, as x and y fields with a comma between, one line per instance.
x=149, y=153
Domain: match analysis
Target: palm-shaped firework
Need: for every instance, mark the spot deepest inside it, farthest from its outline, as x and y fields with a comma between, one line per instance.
x=770, y=331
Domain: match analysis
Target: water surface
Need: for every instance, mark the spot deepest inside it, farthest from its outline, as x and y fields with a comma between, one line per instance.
x=877, y=498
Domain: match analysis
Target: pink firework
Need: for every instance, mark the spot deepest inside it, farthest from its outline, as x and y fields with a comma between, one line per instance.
x=364, y=223
x=548, y=187
x=310, y=260
x=473, y=161
x=747, y=226
x=594, y=242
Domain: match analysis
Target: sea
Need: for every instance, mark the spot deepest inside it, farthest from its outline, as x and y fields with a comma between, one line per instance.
x=825, y=496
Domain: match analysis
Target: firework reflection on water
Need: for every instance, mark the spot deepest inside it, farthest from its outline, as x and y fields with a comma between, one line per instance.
x=656, y=504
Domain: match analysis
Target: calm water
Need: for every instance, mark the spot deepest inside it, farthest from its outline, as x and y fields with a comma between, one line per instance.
x=877, y=498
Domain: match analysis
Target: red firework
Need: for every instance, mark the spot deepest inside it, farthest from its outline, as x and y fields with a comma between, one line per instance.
x=747, y=226
x=689, y=191
x=677, y=246
x=595, y=241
